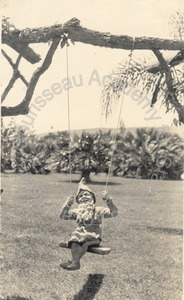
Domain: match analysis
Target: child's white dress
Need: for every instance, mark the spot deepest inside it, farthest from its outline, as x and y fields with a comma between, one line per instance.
x=90, y=230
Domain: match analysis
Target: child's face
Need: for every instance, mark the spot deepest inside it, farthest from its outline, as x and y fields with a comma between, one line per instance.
x=85, y=196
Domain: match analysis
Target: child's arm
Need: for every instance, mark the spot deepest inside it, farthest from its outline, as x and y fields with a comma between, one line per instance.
x=112, y=210
x=65, y=213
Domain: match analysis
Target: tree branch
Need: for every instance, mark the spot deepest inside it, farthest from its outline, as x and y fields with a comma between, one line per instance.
x=25, y=51
x=81, y=34
x=176, y=60
x=13, y=66
x=182, y=53
x=169, y=82
x=156, y=90
x=23, y=107
x=20, y=39
x=15, y=76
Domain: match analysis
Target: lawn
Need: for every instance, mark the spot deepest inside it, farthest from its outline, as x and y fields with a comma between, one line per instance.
x=146, y=241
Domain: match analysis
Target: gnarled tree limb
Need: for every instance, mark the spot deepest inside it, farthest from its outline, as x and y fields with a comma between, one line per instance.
x=20, y=39
x=81, y=34
x=23, y=107
x=13, y=66
x=169, y=82
x=182, y=53
x=15, y=76
x=25, y=51
x=176, y=60
x=156, y=90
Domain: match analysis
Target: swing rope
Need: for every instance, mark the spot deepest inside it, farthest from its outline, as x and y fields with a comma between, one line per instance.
x=69, y=130
x=119, y=117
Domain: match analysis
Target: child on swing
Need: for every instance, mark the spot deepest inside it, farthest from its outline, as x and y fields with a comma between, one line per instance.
x=89, y=220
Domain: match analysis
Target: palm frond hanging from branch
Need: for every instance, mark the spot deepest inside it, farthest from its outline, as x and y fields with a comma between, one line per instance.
x=152, y=84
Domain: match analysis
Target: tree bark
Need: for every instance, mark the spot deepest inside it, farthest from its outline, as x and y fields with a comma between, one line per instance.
x=14, y=66
x=169, y=82
x=25, y=51
x=176, y=60
x=84, y=35
x=23, y=107
x=15, y=76
x=86, y=175
x=20, y=39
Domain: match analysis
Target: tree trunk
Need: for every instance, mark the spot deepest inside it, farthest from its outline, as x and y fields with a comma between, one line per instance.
x=2, y=165
x=86, y=175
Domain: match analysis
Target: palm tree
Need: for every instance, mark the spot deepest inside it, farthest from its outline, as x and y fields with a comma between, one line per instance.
x=91, y=153
x=6, y=145
x=139, y=153
x=171, y=153
x=143, y=154
x=32, y=156
x=58, y=159
x=164, y=83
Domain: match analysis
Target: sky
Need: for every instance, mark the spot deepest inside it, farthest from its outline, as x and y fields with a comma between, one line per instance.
x=88, y=63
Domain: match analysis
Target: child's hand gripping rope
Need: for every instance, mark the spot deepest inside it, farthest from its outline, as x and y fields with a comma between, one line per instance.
x=70, y=200
x=105, y=196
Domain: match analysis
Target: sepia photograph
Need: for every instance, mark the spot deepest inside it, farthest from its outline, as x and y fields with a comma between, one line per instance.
x=92, y=140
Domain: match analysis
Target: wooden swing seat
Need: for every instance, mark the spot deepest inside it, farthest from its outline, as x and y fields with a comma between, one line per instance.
x=97, y=250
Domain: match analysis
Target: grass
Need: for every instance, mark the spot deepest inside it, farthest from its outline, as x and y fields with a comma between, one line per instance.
x=145, y=261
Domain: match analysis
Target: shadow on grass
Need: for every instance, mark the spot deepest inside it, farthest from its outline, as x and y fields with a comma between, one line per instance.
x=169, y=231
x=92, y=182
x=90, y=288
x=16, y=298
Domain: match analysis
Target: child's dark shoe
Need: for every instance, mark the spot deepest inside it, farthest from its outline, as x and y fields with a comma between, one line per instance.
x=64, y=265
x=73, y=266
